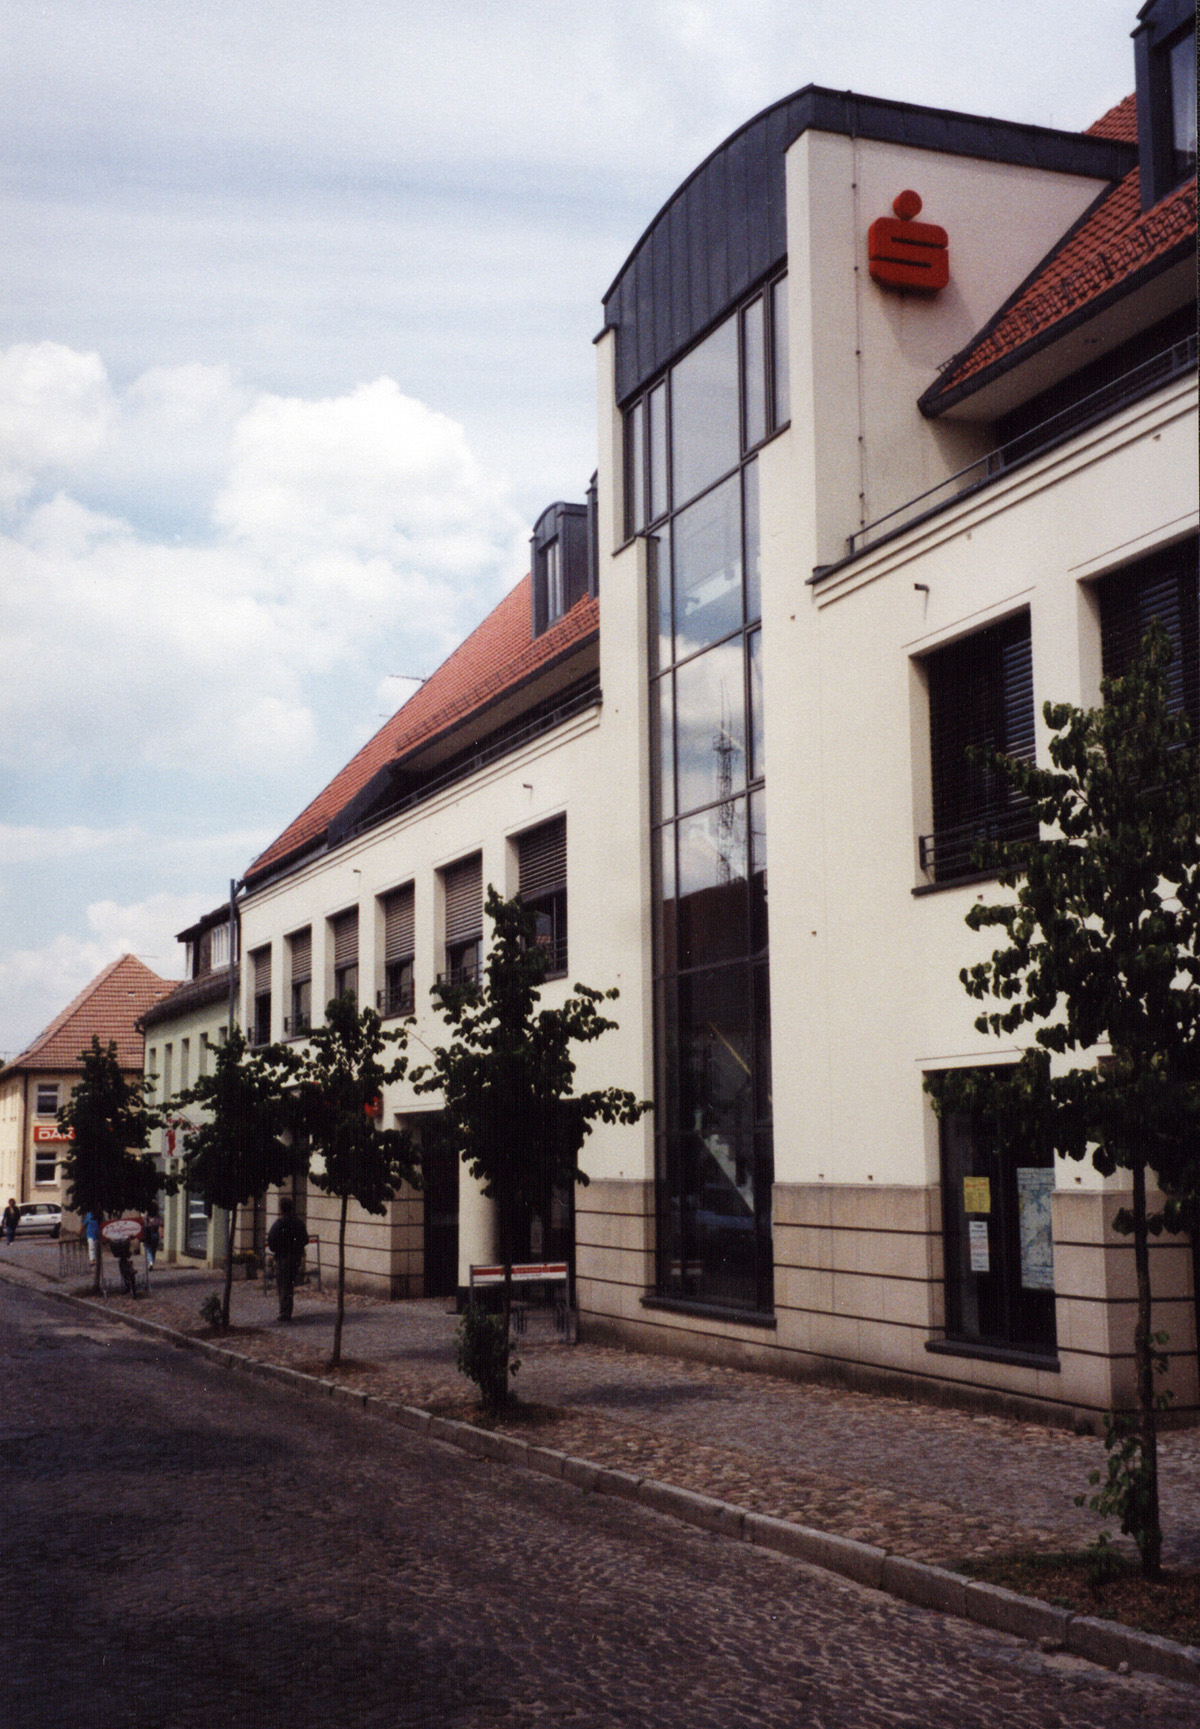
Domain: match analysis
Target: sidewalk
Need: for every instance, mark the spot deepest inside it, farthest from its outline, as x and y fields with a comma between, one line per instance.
x=936, y=1485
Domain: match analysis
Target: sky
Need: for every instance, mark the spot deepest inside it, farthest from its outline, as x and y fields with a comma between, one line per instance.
x=297, y=303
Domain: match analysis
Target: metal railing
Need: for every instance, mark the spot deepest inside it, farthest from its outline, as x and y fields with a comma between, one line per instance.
x=952, y=853
x=396, y=1002
x=1139, y=381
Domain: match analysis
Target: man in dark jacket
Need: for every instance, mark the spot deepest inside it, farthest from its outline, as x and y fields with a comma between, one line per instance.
x=286, y=1240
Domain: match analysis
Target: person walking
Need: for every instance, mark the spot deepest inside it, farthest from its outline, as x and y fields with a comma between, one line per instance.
x=11, y=1215
x=151, y=1236
x=91, y=1230
x=287, y=1240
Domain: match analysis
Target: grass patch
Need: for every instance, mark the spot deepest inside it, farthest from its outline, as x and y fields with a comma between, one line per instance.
x=1169, y=1606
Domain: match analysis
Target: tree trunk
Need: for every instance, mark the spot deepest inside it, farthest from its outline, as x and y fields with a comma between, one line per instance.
x=96, y=1273
x=230, y=1227
x=1149, y=1534
x=341, y=1287
x=506, y=1243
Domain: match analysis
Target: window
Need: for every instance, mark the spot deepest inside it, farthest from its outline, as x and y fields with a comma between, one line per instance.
x=47, y=1098
x=260, y=964
x=396, y=997
x=542, y=869
x=299, y=1019
x=560, y=562
x=1163, y=587
x=168, y=1071
x=997, y=1234
x=462, y=886
x=713, y=408
x=185, y=1060
x=1165, y=59
x=219, y=947
x=45, y=1164
x=699, y=480
x=345, y=954
x=980, y=703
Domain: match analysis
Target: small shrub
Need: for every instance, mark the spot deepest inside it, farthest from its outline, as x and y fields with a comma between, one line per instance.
x=483, y=1356
x=212, y=1313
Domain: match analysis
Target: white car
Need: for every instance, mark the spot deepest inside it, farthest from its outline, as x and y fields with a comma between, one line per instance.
x=39, y=1219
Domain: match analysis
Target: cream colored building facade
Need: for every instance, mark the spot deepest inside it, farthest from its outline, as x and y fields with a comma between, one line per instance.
x=834, y=516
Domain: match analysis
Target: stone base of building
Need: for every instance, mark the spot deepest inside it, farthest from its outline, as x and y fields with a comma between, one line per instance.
x=859, y=1300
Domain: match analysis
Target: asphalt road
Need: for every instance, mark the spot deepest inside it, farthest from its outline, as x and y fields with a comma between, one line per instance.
x=185, y=1547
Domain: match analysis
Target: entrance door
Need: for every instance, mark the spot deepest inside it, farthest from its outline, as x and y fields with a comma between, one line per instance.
x=439, y=1172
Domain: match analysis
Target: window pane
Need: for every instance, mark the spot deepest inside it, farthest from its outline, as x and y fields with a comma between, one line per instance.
x=758, y=760
x=781, y=383
x=712, y=885
x=657, y=407
x=707, y=568
x=658, y=561
x=705, y=428
x=714, y=1038
x=635, y=469
x=753, y=539
x=666, y=866
x=1183, y=105
x=754, y=374
x=663, y=764
x=758, y=873
x=710, y=726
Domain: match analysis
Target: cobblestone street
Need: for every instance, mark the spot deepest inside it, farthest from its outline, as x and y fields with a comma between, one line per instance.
x=182, y=1546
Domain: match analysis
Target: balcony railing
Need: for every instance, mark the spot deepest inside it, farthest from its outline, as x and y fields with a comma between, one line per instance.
x=950, y=854
x=456, y=978
x=295, y=1026
x=1139, y=381
x=396, y=1002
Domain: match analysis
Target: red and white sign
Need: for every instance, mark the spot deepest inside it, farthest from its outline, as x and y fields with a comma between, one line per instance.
x=50, y=1133
x=122, y=1231
x=913, y=257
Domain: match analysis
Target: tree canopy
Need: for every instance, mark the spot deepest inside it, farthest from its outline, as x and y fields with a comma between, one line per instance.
x=106, y=1167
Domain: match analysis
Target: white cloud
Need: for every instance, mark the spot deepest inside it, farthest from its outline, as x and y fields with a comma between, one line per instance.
x=346, y=534
x=55, y=406
x=31, y=845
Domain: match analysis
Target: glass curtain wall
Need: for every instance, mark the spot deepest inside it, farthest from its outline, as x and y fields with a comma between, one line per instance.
x=692, y=487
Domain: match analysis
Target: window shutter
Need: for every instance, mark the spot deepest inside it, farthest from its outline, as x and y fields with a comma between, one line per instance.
x=463, y=885
x=1164, y=587
x=301, y=946
x=542, y=859
x=345, y=939
x=398, y=926
x=262, y=971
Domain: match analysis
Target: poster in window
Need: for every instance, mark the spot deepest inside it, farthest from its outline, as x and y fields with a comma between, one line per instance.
x=1035, y=1185
x=977, y=1195
x=978, y=1242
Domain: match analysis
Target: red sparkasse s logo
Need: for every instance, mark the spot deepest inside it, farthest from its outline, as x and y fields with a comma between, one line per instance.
x=911, y=256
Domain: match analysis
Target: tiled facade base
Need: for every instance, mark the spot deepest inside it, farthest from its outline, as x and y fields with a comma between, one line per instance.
x=385, y=1256
x=859, y=1293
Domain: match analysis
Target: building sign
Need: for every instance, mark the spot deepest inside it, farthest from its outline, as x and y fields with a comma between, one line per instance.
x=50, y=1133
x=981, y=1260
x=913, y=257
x=977, y=1195
x=1035, y=1185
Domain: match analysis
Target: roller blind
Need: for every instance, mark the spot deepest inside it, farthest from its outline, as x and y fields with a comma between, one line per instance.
x=262, y=971
x=398, y=922
x=464, y=900
x=345, y=939
x=301, y=947
x=542, y=859
x=1162, y=587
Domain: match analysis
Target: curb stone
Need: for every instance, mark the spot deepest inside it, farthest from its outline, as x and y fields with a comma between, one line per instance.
x=1106, y=1643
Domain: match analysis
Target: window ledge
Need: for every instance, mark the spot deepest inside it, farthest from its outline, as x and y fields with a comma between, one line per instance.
x=711, y=1311
x=963, y=882
x=993, y=1354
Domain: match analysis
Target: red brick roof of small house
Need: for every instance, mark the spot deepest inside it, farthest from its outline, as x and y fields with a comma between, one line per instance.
x=497, y=657
x=109, y=1009
x=1113, y=243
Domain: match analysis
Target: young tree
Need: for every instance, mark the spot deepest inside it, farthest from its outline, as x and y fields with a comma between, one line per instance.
x=106, y=1167
x=342, y=1081
x=239, y=1151
x=506, y=1077
x=1101, y=960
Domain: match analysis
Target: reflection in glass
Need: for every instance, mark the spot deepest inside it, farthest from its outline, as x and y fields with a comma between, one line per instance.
x=754, y=374
x=781, y=395
x=753, y=541
x=710, y=726
x=657, y=410
x=708, y=568
x=762, y=1046
x=714, y=1042
x=712, y=884
x=666, y=869
x=758, y=873
x=705, y=424
x=658, y=566
x=757, y=768
x=635, y=470
x=665, y=760
x=1182, y=57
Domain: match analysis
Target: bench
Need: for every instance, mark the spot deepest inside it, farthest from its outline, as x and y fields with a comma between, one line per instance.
x=554, y=1274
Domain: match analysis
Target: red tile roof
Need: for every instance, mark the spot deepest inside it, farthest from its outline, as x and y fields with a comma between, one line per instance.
x=1112, y=244
x=1119, y=123
x=497, y=657
x=108, y=1008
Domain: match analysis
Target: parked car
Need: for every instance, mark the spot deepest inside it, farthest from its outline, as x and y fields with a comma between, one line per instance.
x=39, y=1219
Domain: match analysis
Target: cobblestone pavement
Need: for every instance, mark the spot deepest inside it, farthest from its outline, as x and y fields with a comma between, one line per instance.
x=936, y=1484
x=188, y=1548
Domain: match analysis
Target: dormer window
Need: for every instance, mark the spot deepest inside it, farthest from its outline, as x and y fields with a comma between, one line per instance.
x=560, y=563
x=1165, y=58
